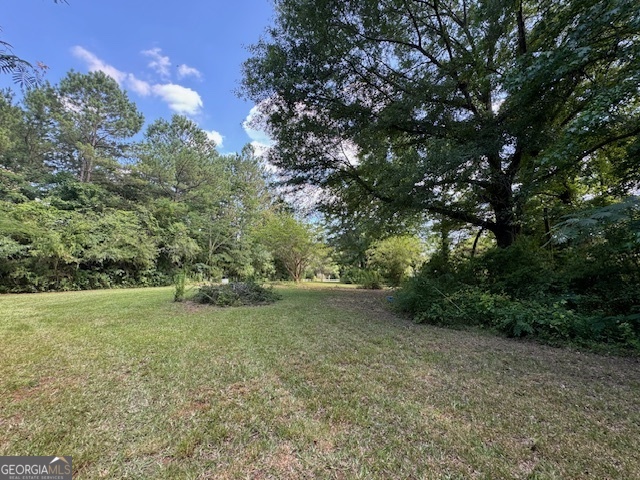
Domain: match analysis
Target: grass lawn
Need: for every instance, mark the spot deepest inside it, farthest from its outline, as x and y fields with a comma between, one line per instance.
x=323, y=384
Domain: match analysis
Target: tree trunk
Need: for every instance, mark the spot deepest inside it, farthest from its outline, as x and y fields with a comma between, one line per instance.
x=475, y=243
x=505, y=233
x=506, y=227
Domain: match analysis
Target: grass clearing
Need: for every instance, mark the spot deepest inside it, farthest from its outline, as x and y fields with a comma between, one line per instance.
x=323, y=384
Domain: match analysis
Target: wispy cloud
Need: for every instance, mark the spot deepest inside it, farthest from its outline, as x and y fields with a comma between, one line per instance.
x=161, y=64
x=187, y=71
x=139, y=86
x=128, y=80
x=95, y=64
x=180, y=99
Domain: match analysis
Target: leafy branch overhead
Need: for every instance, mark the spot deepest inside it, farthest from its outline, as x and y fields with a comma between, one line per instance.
x=460, y=108
x=22, y=72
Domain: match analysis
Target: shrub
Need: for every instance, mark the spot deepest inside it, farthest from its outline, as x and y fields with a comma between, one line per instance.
x=235, y=294
x=524, y=270
x=396, y=257
x=371, y=280
x=367, y=279
x=180, y=284
x=443, y=301
x=352, y=275
x=581, y=287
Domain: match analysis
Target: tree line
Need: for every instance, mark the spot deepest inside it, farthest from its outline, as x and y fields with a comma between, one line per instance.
x=83, y=205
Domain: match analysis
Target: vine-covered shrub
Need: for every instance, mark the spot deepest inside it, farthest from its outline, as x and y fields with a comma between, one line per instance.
x=236, y=294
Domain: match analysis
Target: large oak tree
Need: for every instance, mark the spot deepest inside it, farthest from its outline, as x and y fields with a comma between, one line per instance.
x=467, y=109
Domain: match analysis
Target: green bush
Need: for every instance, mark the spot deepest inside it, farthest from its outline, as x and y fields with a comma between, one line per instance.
x=235, y=294
x=180, y=285
x=367, y=279
x=371, y=280
x=352, y=275
x=444, y=300
x=524, y=270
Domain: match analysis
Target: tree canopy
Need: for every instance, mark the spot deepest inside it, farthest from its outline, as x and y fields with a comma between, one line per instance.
x=463, y=108
x=95, y=115
x=178, y=157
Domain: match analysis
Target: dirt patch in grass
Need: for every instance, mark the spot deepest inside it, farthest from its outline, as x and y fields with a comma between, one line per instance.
x=372, y=302
x=43, y=386
x=193, y=307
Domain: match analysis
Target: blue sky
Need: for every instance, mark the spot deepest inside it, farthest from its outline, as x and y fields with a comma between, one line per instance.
x=170, y=56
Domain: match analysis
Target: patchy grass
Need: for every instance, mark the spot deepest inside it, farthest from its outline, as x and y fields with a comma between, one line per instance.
x=323, y=384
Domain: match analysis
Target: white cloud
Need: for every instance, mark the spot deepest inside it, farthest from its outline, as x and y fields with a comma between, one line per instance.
x=187, y=71
x=180, y=99
x=160, y=63
x=254, y=127
x=260, y=150
x=95, y=64
x=139, y=86
x=216, y=137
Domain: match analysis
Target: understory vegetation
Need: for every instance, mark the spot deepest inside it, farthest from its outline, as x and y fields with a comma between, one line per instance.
x=479, y=157
x=582, y=287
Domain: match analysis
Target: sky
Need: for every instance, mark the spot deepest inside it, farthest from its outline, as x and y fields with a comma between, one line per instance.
x=171, y=57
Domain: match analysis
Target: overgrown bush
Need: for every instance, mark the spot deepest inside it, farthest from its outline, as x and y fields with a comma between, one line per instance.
x=434, y=302
x=524, y=270
x=396, y=258
x=367, y=279
x=584, y=291
x=235, y=294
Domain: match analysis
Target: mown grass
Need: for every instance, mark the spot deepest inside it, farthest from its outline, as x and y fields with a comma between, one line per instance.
x=323, y=384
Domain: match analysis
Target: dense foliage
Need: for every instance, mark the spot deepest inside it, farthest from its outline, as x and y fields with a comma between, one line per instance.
x=292, y=243
x=396, y=258
x=389, y=261
x=506, y=134
x=83, y=206
x=582, y=287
